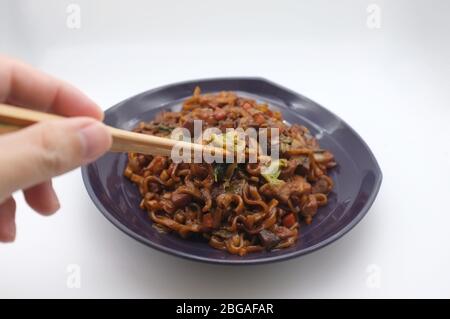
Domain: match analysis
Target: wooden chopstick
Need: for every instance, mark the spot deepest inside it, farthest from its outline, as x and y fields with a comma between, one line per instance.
x=14, y=118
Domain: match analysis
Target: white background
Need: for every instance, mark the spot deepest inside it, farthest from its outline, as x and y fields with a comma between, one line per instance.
x=391, y=84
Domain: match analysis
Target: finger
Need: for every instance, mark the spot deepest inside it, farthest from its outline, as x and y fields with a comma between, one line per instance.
x=42, y=198
x=8, y=220
x=41, y=151
x=25, y=86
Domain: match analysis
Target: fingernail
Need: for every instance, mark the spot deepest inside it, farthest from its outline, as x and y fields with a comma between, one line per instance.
x=95, y=140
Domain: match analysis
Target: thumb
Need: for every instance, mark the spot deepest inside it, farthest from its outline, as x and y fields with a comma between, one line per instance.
x=41, y=151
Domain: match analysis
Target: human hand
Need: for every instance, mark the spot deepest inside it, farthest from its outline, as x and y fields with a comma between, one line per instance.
x=32, y=156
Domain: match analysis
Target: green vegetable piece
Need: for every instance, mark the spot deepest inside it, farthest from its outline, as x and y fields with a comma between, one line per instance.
x=273, y=171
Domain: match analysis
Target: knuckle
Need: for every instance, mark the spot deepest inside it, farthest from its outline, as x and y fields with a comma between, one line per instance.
x=52, y=156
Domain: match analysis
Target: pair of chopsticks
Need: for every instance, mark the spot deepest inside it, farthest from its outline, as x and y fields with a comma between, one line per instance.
x=14, y=118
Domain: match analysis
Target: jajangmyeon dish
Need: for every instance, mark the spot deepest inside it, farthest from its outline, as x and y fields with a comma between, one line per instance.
x=234, y=206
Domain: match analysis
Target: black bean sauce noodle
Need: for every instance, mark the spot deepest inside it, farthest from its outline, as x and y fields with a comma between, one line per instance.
x=233, y=206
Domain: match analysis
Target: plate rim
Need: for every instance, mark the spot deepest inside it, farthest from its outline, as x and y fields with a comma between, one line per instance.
x=269, y=259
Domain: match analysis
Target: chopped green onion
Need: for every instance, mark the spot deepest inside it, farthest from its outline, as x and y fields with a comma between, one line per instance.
x=273, y=171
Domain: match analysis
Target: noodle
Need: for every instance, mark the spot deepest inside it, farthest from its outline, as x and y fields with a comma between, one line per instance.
x=235, y=207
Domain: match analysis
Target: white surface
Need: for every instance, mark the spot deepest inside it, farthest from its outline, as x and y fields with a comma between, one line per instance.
x=390, y=84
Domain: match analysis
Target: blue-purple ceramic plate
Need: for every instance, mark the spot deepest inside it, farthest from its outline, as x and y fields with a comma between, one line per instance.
x=357, y=177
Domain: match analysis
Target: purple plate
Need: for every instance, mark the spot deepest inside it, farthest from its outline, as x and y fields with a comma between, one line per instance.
x=357, y=177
